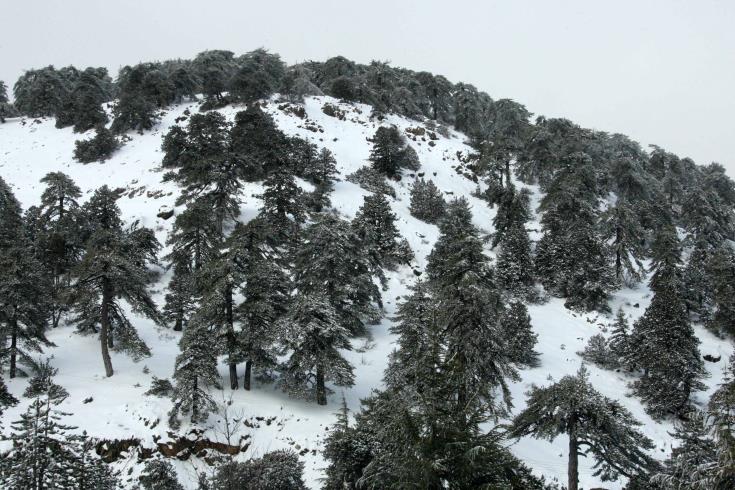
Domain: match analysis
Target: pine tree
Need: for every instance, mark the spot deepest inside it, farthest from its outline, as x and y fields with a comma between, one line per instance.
x=391, y=152
x=61, y=235
x=6, y=398
x=218, y=281
x=283, y=209
x=515, y=263
x=312, y=334
x=257, y=143
x=159, y=474
x=42, y=456
x=427, y=202
x=619, y=341
x=520, y=338
x=259, y=75
x=331, y=261
x=115, y=266
x=88, y=471
x=193, y=240
x=40, y=92
x=3, y=101
x=82, y=108
x=42, y=383
x=621, y=226
x=275, y=470
x=322, y=173
x=721, y=268
x=513, y=210
x=265, y=292
x=135, y=109
x=594, y=424
x=470, y=309
x=194, y=372
x=375, y=226
x=97, y=149
x=666, y=348
x=24, y=306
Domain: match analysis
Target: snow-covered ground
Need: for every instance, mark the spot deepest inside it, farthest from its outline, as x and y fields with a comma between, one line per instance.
x=31, y=148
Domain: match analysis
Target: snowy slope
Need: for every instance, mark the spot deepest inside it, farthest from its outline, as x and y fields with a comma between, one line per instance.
x=29, y=149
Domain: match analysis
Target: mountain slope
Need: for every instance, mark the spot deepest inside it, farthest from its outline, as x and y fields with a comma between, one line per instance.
x=29, y=149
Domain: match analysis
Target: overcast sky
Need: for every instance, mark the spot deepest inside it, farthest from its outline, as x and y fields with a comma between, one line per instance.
x=661, y=71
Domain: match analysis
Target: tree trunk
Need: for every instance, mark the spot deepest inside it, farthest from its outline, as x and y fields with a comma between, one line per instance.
x=573, y=466
x=179, y=325
x=321, y=391
x=195, y=402
x=507, y=174
x=231, y=340
x=618, y=258
x=248, y=374
x=105, y=330
x=13, y=346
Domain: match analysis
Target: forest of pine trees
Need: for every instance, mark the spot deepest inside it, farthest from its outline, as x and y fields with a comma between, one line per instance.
x=282, y=298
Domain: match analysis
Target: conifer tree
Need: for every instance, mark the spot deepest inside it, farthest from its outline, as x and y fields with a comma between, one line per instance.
x=514, y=269
x=518, y=331
x=115, y=266
x=218, y=280
x=461, y=279
x=312, y=334
x=375, y=226
x=159, y=474
x=42, y=455
x=283, y=209
x=135, y=108
x=24, y=306
x=721, y=268
x=194, y=372
x=621, y=226
x=259, y=75
x=99, y=148
x=205, y=165
x=513, y=210
x=193, y=240
x=265, y=292
x=40, y=92
x=88, y=471
x=6, y=398
x=666, y=349
x=257, y=143
x=42, y=383
x=427, y=202
x=594, y=424
x=322, y=173
x=331, y=261
x=619, y=341
x=391, y=152
x=3, y=101
x=61, y=223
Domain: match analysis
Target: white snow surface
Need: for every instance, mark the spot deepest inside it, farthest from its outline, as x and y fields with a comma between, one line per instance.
x=31, y=148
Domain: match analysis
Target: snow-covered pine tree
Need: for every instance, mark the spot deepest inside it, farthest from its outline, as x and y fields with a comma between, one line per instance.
x=571, y=257
x=619, y=341
x=88, y=471
x=60, y=235
x=331, y=261
x=391, y=153
x=205, y=165
x=6, y=398
x=666, y=348
x=622, y=229
x=193, y=241
x=721, y=268
x=322, y=173
x=375, y=227
x=24, y=289
x=266, y=293
x=159, y=474
x=275, y=470
x=469, y=308
x=218, y=280
x=595, y=425
x=313, y=335
x=427, y=202
x=514, y=268
x=42, y=383
x=114, y=267
x=41, y=456
x=519, y=334
x=283, y=208
x=195, y=371
x=514, y=209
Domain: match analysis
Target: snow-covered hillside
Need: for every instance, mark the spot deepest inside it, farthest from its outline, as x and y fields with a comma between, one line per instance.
x=118, y=408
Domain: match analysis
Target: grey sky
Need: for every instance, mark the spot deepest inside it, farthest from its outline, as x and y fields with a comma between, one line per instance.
x=661, y=71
